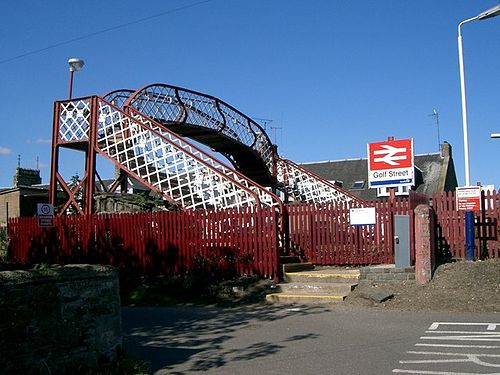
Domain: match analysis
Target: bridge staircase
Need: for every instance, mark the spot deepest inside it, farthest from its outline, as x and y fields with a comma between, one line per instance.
x=240, y=139
x=155, y=156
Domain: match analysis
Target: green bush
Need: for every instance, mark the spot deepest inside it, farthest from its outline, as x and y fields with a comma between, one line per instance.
x=4, y=242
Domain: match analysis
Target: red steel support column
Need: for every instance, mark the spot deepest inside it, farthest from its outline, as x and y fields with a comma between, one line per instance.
x=54, y=167
x=91, y=157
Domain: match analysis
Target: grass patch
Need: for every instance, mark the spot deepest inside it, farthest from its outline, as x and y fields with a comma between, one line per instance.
x=126, y=365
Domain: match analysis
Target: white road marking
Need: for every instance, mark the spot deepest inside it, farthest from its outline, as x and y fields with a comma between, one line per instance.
x=462, y=338
x=466, y=332
x=404, y=371
x=490, y=326
x=469, y=357
x=446, y=331
x=462, y=346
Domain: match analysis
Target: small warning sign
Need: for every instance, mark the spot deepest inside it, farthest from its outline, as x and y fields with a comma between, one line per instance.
x=468, y=198
x=45, y=215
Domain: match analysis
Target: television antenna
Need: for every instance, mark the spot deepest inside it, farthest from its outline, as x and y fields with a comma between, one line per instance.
x=263, y=121
x=275, y=128
x=435, y=114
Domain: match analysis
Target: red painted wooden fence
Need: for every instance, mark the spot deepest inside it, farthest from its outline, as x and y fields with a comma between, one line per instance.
x=450, y=226
x=321, y=233
x=244, y=241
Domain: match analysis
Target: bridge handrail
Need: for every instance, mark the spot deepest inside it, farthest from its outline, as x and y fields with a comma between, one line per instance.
x=237, y=125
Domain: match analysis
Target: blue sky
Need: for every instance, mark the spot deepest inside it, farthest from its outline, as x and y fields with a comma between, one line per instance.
x=333, y=75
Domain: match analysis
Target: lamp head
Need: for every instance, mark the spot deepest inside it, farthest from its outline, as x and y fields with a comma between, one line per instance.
x=492, y=12
x=75, y=64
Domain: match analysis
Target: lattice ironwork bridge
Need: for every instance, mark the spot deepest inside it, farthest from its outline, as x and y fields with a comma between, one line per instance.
x=148, y=134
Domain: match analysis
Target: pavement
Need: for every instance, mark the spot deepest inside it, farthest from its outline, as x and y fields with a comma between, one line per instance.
x=316, y=339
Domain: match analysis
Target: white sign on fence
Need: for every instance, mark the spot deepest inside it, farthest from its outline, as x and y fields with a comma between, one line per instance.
x=362, y=216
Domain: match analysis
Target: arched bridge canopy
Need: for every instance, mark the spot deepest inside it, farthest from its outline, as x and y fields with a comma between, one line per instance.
x=118, y=97
x=209, y=121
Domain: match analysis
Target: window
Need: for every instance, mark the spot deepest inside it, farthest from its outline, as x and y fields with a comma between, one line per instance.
x=400, y=190
x=358, y=185
x=338, y=183
x=382, y=192
x=403, y=190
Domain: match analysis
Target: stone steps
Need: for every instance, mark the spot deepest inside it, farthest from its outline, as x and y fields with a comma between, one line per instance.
x=321, y=277
x=303, y=283
x=317, y=289
x=303, y=298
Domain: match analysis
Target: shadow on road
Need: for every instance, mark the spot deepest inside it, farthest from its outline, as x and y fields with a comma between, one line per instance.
x=195, y=338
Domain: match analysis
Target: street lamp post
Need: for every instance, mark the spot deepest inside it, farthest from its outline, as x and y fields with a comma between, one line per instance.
x=74, y=66
x=469, y=215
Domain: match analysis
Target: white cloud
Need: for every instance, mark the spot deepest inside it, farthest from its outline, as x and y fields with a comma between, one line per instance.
x=40, y=141
x=5, y=151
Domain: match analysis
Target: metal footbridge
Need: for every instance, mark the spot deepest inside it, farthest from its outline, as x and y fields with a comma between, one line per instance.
x=148, y=134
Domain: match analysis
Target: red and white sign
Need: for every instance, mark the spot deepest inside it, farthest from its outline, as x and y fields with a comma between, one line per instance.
x=390, y=163
x=468, y=198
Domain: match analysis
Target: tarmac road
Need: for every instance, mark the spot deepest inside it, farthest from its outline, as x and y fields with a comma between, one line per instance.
x=278, y=339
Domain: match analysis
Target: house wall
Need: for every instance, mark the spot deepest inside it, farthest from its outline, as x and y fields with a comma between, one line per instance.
x=10, y=202
x=20, y=202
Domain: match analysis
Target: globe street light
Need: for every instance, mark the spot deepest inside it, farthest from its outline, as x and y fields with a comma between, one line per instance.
x=492, y=12
x=74, y=66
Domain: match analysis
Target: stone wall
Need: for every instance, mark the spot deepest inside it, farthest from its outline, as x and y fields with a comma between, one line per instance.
x=386, y=274
x=112, y=203
x=59, y=319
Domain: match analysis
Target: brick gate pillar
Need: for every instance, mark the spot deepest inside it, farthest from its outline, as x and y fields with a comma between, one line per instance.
x=424, y=244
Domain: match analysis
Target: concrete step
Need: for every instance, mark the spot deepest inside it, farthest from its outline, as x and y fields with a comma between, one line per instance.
x=317, y=288
x=308, y=285
x=284, y=259
x=304, y=298
x=323, y=276
x=297, y=267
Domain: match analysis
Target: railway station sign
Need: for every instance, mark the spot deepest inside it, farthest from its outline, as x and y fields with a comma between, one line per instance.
x=468, y=198
x=390, y=163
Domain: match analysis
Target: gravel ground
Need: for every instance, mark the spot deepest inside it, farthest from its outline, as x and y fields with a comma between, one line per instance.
x=460, y=286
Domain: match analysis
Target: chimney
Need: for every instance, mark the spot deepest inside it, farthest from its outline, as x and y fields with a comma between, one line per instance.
x=445, y=149
x=27, y=177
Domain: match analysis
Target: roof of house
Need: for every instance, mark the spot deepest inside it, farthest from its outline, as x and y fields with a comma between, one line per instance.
x=435, y=172
x=26, y=190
